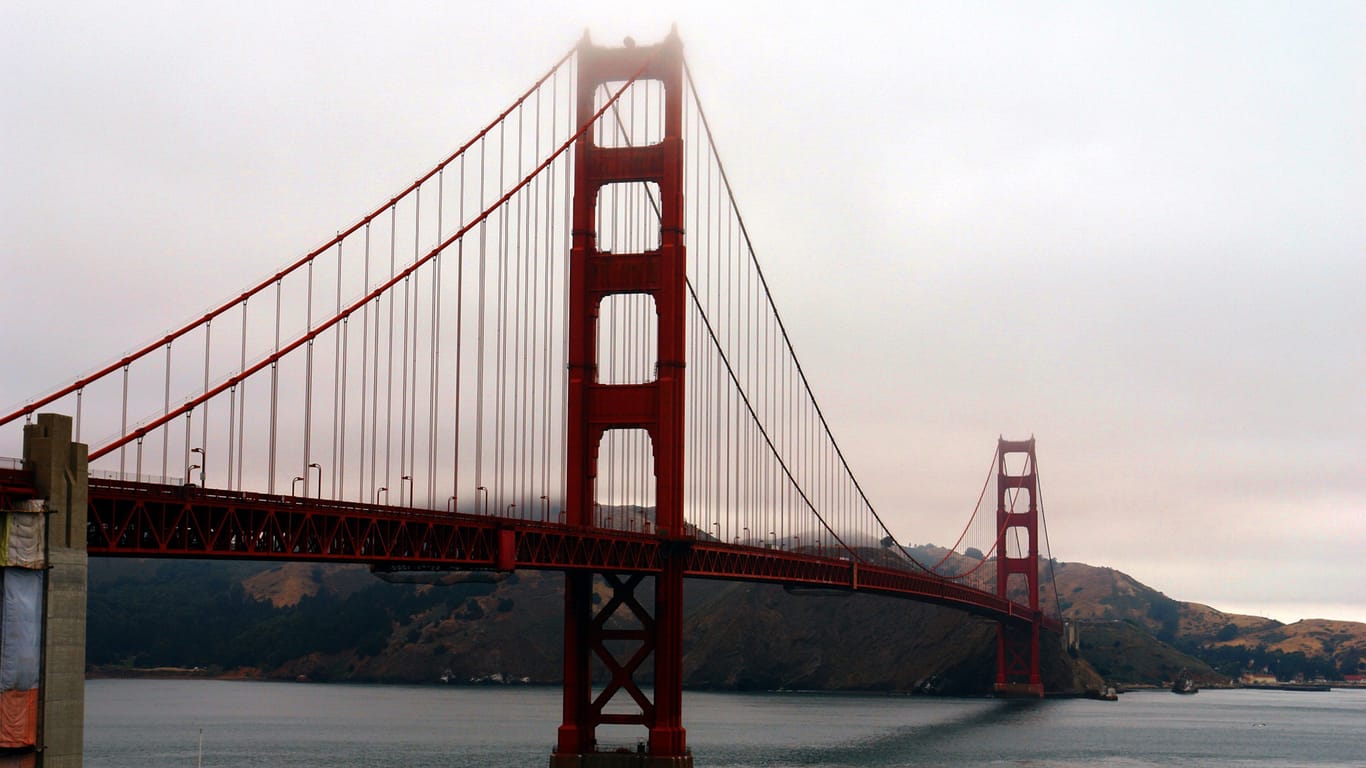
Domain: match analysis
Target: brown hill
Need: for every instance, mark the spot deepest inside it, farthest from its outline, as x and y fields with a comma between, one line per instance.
x=1338, y=640
x=1203, y=622
x=285, y=585
x=1233, y=642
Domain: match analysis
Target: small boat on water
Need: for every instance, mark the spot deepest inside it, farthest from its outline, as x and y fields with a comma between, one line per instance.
x=1185, y=683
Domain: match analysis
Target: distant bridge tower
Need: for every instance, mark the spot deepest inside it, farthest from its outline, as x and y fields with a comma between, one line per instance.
x=655, y=406
x=1017, y=645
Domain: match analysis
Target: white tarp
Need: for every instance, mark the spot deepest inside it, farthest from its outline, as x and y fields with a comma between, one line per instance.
x=24, y=536
x=21, y=625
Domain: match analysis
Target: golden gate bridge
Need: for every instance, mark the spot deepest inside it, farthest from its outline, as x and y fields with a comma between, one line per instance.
x=555, y=350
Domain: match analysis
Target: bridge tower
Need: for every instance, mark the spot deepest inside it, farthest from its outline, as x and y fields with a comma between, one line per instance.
x=655, y=407
x=1017, y=644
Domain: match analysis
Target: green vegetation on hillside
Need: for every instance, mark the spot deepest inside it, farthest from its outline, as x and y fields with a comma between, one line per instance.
x=188, y=614
x=737, y=636
x=1126, y=654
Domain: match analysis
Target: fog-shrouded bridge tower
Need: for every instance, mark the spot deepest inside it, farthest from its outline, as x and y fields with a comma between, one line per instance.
x=655, y=406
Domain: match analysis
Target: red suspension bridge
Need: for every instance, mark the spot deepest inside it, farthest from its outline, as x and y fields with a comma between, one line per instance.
x=488, y=371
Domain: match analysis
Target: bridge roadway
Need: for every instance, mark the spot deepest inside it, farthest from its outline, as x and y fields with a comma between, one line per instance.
x=133, y=519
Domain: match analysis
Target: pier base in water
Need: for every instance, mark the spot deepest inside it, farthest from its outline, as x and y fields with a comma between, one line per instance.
x=621, y=759
x=1018, y=691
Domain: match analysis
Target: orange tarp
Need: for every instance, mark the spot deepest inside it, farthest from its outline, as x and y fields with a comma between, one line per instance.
x=19, y=718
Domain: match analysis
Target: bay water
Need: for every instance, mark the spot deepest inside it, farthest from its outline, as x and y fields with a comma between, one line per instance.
x=160, y=723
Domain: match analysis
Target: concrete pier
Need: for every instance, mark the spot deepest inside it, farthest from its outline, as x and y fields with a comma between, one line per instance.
x=622, y=759
x=60, y=472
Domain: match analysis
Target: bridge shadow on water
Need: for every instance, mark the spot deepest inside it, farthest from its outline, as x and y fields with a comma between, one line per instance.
x=932, y=740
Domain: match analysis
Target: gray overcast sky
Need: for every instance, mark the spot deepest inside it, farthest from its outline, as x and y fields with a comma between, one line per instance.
x=1135, y=231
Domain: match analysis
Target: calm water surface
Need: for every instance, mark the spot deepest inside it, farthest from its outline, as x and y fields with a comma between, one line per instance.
x=155, y=723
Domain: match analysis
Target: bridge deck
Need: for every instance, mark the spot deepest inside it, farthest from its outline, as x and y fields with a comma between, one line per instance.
x=131, y=519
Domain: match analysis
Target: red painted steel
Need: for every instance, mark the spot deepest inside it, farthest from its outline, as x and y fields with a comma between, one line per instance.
x=15, y=484
x=1017, y=646
x=655, y=406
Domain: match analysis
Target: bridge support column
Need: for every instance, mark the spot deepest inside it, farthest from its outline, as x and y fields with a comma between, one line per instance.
x=624, y=634
x=60, y=473
x=1017, y=644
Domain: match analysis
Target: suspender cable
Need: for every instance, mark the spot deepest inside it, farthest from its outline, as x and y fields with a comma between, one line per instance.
x=480, y=333
x=403, y=399
x=365, y=378
x=308, y=387
x=275, y=388
x=374, y=402
x=166, y=436
x=459, y=340
x=123, y=422
x=242, y=394
x=204, y=413
x=433, y=383
x=416, y=277
x=518, y=339
x=388, y=476
x=500, y=368
x=339, y=447
x=547, y=328
x=338, y=392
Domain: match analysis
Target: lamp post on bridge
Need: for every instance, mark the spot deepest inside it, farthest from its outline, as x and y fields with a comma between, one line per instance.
x=318, y=492
x=409, y=478
x=203, y=463
x=190, y=471
x=485, y=491
x=384, y=490
x=294, y=486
